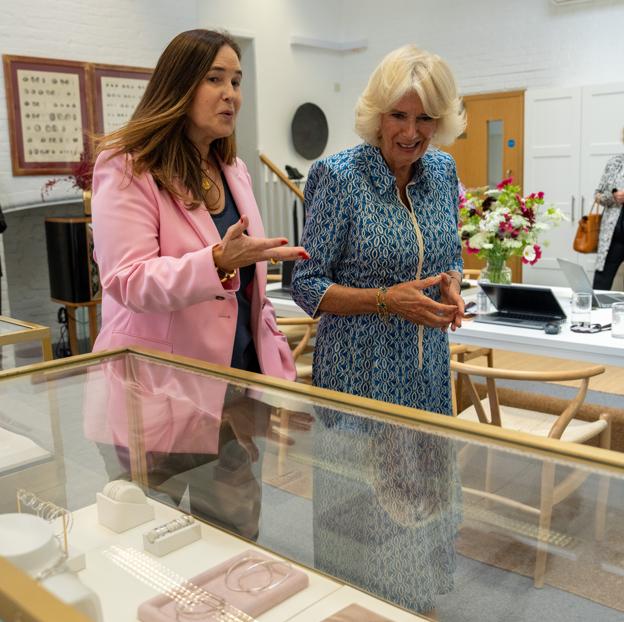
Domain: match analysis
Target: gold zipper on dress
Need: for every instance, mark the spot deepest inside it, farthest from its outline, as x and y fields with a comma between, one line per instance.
x=421, y=257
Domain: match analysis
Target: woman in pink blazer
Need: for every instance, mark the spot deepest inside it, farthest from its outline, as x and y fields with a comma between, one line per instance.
x=178, y=236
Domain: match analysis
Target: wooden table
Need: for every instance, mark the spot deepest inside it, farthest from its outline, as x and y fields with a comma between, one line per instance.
x=71, y=308
x=17, y=331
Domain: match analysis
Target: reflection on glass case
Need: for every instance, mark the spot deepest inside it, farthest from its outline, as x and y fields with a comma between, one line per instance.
x=186, y=491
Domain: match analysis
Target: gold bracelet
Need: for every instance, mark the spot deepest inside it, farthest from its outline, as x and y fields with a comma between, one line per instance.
x=226, y=276
x=382, y=307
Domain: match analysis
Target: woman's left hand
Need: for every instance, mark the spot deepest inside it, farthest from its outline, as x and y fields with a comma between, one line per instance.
x=450, y=294
x=237, y=249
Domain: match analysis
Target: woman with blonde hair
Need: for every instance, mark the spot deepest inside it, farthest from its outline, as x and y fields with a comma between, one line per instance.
x=384, y=276
x=178, y=236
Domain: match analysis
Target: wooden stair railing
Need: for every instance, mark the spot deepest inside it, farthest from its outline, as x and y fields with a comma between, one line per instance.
x=281, y=202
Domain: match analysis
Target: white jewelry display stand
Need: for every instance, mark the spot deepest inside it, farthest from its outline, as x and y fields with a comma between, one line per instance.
x=172, y=541
x=121, y=593
x=120, y=515
x=28, y=542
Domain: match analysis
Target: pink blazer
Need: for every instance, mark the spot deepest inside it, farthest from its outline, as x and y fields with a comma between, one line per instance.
x=160, y=287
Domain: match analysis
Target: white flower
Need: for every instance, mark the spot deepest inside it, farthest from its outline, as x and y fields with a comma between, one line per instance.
x=479, y=240
x=529, y=253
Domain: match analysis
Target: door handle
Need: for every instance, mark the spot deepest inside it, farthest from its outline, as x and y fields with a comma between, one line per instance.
x=572, y=201
x=508, y=173
x=582, y=206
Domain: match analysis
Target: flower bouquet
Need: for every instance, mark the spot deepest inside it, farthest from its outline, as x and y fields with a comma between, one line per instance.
x=81, y=177
x=496, y=224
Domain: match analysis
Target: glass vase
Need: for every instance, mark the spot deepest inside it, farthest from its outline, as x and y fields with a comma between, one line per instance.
x=496, y=271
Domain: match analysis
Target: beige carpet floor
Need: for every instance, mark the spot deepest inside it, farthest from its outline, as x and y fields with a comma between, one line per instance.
x=576, y=564
x=506, y=539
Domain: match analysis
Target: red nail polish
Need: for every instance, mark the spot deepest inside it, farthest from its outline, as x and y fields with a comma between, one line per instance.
x=304, y=255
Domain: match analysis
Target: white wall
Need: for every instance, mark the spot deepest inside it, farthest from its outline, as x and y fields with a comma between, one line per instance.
x=287, y=76
x=491, y=45
x=528, y=43
x=123, y=32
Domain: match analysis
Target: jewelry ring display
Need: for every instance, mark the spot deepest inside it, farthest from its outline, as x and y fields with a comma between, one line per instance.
x=256, y=562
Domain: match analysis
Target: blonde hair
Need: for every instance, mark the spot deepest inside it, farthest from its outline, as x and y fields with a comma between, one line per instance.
x=410, y=69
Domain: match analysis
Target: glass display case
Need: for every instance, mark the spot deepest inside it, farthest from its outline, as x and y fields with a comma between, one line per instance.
x=145, y=486
x=14, y=331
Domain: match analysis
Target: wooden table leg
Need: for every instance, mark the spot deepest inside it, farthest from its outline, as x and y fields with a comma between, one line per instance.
x=46, y=348
x=93, y=325
x=71, y=329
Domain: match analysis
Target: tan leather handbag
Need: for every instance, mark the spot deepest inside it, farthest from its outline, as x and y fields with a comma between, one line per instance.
x=586, y=238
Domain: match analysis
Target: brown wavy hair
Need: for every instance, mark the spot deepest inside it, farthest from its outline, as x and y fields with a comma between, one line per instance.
x=155, y=136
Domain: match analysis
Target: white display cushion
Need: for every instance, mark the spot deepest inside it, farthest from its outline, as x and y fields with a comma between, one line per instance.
x=172, y=541
x=121, y=516
x=163, y=609
x=17, y=450
x=28, y=542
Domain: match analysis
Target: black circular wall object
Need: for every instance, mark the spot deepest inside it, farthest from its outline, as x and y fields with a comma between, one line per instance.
x=309, y=131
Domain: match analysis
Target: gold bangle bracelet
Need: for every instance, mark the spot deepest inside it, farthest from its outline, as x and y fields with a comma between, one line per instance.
x=226, y=276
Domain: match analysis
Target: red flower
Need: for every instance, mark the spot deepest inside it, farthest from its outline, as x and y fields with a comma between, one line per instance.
x=81, y=176
x=505, y=182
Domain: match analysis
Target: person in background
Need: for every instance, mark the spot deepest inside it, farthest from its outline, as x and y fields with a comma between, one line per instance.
x=384, y=276
x=178, y=236
x=610, y=194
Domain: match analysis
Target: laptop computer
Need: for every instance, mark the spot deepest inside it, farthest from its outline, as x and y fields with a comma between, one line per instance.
x=285, y=291
x=580, y=283
x=524, y=306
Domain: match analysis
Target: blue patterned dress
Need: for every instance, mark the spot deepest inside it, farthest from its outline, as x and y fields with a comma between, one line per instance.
x=359, y=234
x=386, y=497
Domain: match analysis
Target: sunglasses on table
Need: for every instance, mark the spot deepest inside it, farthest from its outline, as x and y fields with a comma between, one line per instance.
x=589, y=328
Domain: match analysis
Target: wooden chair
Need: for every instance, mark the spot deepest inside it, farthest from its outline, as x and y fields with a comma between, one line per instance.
x=464, y=353
x=472, y=273
x=563, y=426
x=299, y=332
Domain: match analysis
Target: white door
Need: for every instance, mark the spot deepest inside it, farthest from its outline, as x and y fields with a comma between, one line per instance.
x=602, y=121
x=552, y=137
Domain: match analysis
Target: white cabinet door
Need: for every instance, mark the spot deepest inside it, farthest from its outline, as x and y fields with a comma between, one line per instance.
x=552, y=138
x=601, y=124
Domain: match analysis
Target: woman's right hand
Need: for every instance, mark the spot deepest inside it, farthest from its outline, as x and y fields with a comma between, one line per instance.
x=408, y=301
x=238, y=249
x=618, y=195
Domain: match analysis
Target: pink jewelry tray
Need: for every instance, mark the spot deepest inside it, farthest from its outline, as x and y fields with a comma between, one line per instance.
x=162, y=608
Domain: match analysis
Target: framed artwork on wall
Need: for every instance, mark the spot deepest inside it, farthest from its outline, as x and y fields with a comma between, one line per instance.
x=49, y=113
x=117, y=91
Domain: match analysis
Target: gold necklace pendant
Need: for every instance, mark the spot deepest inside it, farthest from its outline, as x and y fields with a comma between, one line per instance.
x=206, y=183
